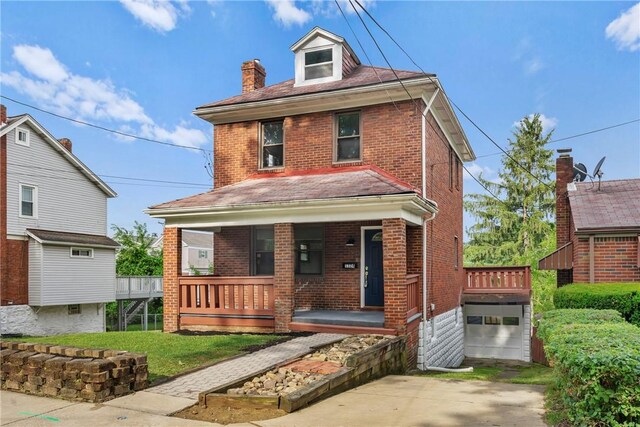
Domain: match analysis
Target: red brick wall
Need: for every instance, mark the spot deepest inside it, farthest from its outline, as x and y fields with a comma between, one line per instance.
x=615, y=259
x=172, y=264
x=564, y=175
x=283, y=280
x=232, y=251
x=445, y=281
x=309, y=143
x=394, y=248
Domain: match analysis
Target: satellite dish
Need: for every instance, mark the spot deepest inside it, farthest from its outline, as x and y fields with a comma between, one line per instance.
x=597, y=172
x=579, y=172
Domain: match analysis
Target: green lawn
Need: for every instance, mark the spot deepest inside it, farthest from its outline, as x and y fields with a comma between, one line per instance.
x=168, y=354
x=533, y=374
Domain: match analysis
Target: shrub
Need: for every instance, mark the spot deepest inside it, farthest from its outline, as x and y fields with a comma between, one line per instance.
x=623, y=297
x=556, y=319
x=596, y=359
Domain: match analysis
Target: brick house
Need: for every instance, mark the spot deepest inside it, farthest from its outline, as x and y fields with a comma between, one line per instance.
x=337, y=206
x=597, y=228
x=57, y=265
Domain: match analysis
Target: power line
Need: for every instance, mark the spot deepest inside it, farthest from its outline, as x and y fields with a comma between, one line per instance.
x=108, y=182
x=112, y=176
x=117, y=132
x=576, y=135
x=432, y=81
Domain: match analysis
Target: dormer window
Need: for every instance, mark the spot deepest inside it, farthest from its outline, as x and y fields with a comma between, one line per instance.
x=318, y=64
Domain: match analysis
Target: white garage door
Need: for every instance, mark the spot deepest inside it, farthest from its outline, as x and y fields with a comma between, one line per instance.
x=493, y=331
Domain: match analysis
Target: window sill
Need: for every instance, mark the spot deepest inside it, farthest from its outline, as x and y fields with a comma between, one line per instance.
x=344, y=163
x=271, y=170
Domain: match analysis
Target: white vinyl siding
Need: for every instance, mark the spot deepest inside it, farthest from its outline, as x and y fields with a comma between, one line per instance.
x=35, y=272
x=67, y=200
x=71, y=280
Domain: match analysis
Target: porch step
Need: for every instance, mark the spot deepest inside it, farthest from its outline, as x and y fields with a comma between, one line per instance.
x=340, y=329
x=370, y=319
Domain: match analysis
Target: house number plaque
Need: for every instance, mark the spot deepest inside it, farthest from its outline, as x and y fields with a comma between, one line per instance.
x=349, y=265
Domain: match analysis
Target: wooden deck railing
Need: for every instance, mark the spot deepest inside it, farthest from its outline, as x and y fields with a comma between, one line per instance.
x=413, y=294
x=240, y=296
x=500, y=280
x=137, y=287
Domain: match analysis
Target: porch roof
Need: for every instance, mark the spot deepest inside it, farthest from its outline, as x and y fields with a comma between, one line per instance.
x=339, y=190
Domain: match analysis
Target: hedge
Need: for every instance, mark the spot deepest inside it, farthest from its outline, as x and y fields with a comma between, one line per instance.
x=623, y=297
x=596, y=360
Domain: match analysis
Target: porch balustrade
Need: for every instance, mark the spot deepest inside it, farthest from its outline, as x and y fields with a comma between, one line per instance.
x=413, y=294
x=240, y=296
x=499, y=280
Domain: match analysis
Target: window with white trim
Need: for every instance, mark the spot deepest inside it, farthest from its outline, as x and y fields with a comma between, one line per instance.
x=318, y=64
x=22, y=136
x=28, y=201
x=348, y=147
x=272, y=144
x=81, y=253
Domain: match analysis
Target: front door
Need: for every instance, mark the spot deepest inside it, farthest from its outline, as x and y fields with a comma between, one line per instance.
x=373, y=275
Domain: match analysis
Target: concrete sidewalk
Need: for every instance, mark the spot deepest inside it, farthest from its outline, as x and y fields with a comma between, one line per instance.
x=391, y=401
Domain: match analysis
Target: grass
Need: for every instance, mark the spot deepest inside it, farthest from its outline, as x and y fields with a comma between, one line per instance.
x=168, y=354
x=531, y=374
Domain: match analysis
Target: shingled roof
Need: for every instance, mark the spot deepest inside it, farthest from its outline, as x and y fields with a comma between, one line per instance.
x=364, y=75
x=297, y=186
x=616, y=205
x=61, y=237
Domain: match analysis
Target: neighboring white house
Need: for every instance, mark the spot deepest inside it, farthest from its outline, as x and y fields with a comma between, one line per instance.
x=57, y=263
x=197, y=252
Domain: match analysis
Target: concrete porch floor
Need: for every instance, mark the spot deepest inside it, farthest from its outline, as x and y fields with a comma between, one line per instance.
x=370, y=319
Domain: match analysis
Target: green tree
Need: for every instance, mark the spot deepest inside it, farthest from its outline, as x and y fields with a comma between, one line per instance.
x=516, y=225
x=136, y=257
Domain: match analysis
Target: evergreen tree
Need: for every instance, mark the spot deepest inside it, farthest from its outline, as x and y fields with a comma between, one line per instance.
x=508, y=230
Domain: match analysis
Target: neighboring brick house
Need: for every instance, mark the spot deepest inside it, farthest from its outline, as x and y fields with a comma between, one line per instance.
x=57, y=265
x=337, y=200
x=597, y=228
x=197, y=251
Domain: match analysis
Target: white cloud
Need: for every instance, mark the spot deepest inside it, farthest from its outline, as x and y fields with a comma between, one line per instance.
x=287, y=13
x=55, y=88
x=529, y=56
x=533, y=65
x=160, y=15
x=329, y=8
x=625, y=29
x=548, y=123
x=476, y=170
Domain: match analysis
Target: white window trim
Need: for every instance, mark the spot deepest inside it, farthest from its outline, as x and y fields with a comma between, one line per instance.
x=317, y=49
x=26, y=131
x=71, y=249
x=300, y=65
x=35, y=200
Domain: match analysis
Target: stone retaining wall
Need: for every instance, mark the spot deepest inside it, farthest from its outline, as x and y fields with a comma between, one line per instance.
x=92, y=375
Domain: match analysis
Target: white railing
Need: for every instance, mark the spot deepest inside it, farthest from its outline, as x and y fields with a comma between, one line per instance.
x=131, y=287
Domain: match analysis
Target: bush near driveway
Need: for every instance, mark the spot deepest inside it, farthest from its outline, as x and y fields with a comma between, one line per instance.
x=623, y=297
x=596, y=360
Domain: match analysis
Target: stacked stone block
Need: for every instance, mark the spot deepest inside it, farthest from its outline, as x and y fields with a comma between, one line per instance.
x=92, y=375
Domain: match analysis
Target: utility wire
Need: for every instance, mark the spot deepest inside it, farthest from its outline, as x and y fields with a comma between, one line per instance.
x=117, y=132
x=108, y=182
x=112, y=176
x=432, y=81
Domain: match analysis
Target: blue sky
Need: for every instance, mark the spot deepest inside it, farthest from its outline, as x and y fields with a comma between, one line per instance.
x=142, y=66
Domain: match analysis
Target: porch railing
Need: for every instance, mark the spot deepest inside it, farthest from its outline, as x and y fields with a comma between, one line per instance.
x=136, y=287
x=500, y=280
x=231, y=296
x=413, y=294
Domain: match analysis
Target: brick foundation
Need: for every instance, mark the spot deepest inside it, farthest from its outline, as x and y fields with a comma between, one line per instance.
x=71, y=373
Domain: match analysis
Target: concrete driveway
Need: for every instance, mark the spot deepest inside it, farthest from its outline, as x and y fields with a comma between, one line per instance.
x=391, y=401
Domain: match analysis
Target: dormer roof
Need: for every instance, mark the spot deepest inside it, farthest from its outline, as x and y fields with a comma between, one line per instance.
x=321, y=32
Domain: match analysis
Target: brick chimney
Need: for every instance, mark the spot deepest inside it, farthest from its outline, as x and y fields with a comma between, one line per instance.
x=253, y=75
x=3, y=114
x=66, y=143
x=564, y=175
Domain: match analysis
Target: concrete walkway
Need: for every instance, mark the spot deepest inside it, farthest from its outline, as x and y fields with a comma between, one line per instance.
x=189, y=386
x=392, y=401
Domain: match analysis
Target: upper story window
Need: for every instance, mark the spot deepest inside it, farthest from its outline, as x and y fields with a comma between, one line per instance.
x=272, y=144
x=28, y=201
x=22, y=136
x=81, y=253
x=348, y=147
x=318, y=64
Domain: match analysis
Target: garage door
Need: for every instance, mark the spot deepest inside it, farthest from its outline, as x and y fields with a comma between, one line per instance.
x=493, y=331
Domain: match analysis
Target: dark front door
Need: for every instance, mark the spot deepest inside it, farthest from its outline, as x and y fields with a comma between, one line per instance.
x=373, y=277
